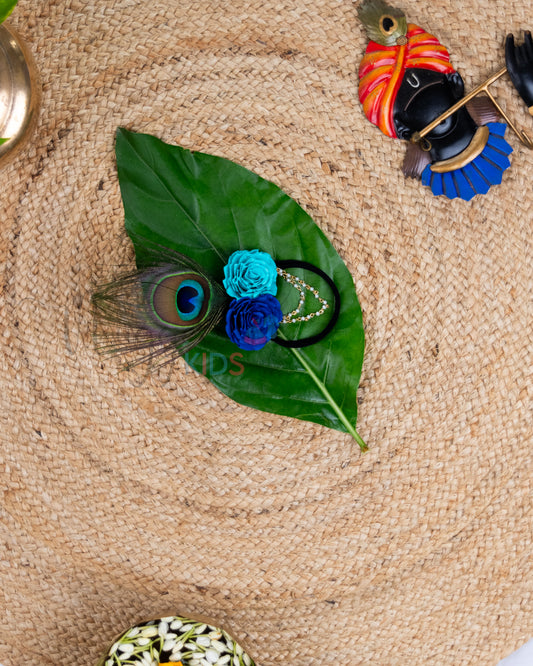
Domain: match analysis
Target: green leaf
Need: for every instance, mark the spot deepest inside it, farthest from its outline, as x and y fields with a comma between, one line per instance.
x=3, y=141
x=207, y=207
x=6, y=7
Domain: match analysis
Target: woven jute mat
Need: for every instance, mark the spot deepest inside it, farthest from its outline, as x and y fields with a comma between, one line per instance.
x=128, y=496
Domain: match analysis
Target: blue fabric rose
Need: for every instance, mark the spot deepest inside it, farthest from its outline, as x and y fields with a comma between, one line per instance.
x=252, y=322
x=250, y=273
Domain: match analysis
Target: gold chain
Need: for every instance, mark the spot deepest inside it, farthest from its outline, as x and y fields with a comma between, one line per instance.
x=299, y=284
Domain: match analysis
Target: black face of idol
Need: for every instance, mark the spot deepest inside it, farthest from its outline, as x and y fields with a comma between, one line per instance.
x=423, y=96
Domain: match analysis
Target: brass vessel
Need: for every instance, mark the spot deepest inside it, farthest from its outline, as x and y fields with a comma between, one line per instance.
x=19, y=93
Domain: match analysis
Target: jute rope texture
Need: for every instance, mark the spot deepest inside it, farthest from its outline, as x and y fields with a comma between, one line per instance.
x=127, y=496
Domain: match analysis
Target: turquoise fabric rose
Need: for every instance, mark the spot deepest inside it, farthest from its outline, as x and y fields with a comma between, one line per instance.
x=250, y=273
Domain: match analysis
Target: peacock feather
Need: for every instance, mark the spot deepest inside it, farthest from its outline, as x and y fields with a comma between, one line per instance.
x=384, y=24
x=158, y=312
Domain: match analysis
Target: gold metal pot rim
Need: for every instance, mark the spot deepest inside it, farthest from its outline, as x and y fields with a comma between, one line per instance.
x=19, y=92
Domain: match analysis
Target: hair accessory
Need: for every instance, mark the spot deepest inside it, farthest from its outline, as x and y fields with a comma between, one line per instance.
x=236, y=278
x=313, y=339
x=294, y=316
x=409, y=89
x=170, y=306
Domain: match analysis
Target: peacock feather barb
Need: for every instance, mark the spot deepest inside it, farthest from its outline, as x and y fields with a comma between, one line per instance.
x=410, y=90
x=159, y=312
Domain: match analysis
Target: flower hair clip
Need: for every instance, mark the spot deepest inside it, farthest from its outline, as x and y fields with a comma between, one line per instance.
x=410, y=90
x=169, y=306
x=251, y=278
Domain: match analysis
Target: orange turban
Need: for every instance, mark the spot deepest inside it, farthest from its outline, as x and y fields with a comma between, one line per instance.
x=382, y=70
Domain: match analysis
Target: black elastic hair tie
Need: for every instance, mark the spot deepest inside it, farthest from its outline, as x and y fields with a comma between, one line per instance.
x=311, y=340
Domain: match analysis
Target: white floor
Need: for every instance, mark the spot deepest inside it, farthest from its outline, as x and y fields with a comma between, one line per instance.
x=522, y=657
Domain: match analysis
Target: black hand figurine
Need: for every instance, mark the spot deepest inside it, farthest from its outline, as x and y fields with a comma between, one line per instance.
x=519, y=61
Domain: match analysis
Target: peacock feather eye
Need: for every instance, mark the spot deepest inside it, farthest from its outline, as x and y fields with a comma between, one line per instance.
x=384, y=24
x=189, y=299
x=159, y=312
x=181, y=299
x=388, y=25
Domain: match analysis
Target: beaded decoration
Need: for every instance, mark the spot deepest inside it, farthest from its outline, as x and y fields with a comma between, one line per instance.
x=296, y=282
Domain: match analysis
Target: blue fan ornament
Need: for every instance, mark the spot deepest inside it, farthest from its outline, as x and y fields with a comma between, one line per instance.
x=479, y=175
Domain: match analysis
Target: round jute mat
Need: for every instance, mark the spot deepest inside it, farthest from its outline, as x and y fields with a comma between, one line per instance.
x=127, y=497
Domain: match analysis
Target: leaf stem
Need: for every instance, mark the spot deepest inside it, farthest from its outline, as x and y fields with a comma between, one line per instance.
x=322, y=387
